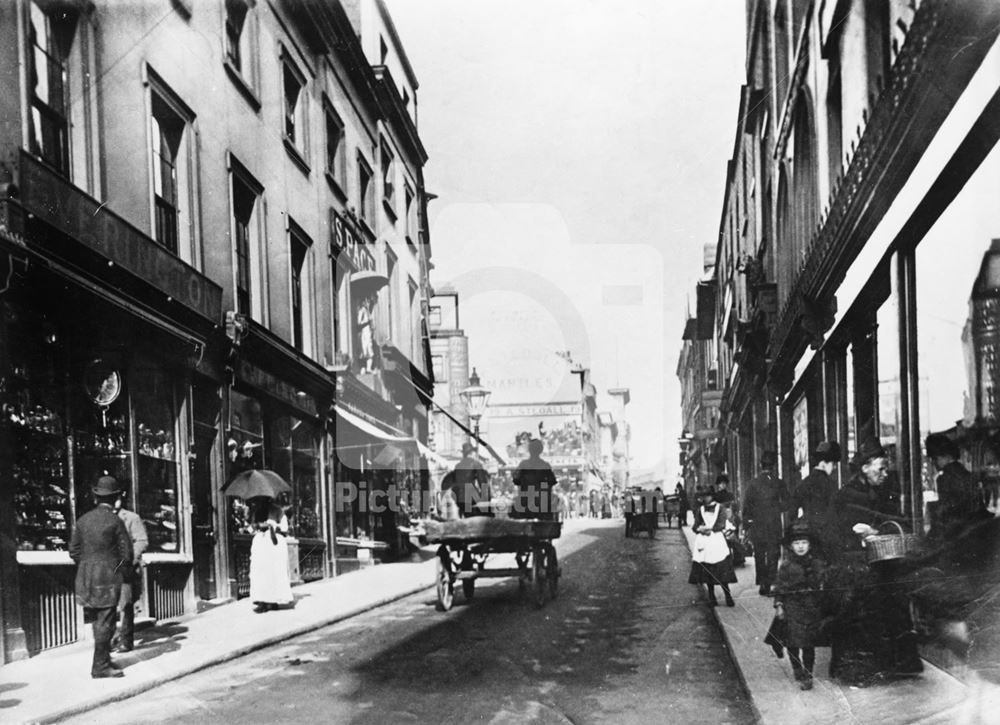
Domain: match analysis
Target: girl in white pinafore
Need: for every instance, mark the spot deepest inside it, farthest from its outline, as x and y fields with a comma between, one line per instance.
x=712, y=562
x=270, y=587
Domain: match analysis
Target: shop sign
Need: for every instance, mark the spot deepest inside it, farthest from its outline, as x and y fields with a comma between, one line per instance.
x=55, y=201
x=250, y=374
x=535, y=411
x=346, y=240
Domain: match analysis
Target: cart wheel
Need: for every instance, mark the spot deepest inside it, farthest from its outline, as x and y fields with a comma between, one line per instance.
x=445, y=586
x=552, y=572
x=538, y=587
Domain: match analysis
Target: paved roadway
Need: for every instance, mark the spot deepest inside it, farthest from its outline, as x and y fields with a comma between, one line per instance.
x=626, y=641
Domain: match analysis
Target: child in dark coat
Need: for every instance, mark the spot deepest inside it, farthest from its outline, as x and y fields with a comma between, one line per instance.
x=798, y=604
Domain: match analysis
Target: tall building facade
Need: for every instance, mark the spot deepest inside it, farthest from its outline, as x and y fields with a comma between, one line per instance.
x=855, y=288
x=214, y=257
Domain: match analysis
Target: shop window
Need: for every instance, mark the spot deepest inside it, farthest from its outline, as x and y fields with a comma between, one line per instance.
x=958, y=329
x=172, y=171
x=294, y=453
x=301, y=290
x=153, y=400
x=244, y=451
x=889, y=404
x=33, y=406
x=366, y=195
x=247, y=242
x=101, y=428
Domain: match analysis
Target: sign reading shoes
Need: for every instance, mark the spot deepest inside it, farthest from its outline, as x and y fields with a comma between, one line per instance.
x=57, y=202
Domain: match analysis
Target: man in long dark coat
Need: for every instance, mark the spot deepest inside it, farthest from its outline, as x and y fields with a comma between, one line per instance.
x=102, y=550
x=814, y=497
x=470, y=483
x=765, y=499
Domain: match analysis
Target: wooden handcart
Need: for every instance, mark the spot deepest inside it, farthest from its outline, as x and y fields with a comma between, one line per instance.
x=464, y=545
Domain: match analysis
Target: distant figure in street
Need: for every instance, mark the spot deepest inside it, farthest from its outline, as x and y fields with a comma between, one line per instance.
x=534, y=480
x=798, y=602
x=959, y=503
x=812, y=500
x=711, y=561
x=682, y=504
x=471, y=483
x=101, y=548
x=763, y=503
x=270, y=587
x=132, y=577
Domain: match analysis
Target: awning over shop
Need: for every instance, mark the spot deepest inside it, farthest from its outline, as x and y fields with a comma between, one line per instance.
x=381, y=432
x=433, y=457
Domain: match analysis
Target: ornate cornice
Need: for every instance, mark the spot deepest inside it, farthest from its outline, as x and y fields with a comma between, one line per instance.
x=933, y=66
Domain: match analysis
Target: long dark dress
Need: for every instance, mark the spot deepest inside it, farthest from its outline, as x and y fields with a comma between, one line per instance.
x=871, y=633
x=717, y=572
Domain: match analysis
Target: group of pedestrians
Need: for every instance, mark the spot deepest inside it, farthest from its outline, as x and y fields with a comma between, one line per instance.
x=810, y=555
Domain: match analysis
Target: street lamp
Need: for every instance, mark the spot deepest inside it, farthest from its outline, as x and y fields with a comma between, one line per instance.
x=475, y=397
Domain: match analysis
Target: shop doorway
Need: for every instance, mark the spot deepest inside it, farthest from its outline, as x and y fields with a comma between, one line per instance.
x=204, y=537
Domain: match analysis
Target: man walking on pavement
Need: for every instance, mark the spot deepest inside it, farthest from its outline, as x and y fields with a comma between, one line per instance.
x=124, y=641
x=763, y=503
x=102, y=550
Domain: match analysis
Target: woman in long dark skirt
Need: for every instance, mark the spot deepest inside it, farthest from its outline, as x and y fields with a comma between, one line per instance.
x=712, y=562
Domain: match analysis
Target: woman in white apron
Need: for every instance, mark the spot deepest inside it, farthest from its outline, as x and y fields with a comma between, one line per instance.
x=712, y=562
x=270, y=587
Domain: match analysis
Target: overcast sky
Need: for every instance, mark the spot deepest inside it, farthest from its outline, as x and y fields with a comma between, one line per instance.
x=578, y=149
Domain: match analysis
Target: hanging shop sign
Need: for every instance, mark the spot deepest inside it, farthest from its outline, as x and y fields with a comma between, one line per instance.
x=57, y=202
x=535, y=411
x=347, y=241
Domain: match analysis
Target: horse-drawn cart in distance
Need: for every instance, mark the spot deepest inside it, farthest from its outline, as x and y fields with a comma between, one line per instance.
x=465, y=544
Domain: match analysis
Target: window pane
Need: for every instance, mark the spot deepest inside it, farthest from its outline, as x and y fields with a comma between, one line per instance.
x=153, y=401
x=958, y=330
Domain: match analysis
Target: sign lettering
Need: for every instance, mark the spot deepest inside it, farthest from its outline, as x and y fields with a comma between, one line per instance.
x=55, y=201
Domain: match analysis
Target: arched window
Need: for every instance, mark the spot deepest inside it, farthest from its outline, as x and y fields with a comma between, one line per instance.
x=783, y=232
x=804, y=177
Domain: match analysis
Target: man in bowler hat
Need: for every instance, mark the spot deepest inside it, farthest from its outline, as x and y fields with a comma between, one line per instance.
x=102, y=550
x=471, y=484
x=763, y=503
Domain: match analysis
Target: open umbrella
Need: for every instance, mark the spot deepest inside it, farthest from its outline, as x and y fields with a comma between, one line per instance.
x=256, y=482
x=367, y=283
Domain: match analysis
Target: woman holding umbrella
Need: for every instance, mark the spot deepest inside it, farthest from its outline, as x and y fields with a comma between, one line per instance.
x=270, y=586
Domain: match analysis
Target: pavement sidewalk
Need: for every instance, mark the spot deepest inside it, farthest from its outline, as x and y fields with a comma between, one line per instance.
x=57, y=684
x=933, y=698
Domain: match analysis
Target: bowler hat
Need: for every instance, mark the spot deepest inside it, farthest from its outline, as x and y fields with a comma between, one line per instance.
x=938, y=444
x=106, y=486
x=467, y=448
x=868, y=450
x=827, y=452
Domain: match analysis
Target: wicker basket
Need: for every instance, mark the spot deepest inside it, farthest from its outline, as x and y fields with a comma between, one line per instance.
x=884, y=547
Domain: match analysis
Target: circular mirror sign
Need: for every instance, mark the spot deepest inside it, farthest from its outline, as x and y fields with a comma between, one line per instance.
x=102, y=383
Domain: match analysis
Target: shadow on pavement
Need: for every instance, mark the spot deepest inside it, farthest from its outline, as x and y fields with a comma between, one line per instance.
x=7, y=686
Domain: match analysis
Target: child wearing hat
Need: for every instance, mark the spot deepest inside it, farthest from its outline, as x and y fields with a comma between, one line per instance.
x=797, y=602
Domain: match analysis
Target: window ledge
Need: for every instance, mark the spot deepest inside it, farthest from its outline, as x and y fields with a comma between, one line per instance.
x=296, y=155
x=390, y=212
x=245, y=89
x=366, y=228
x=335, y=186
